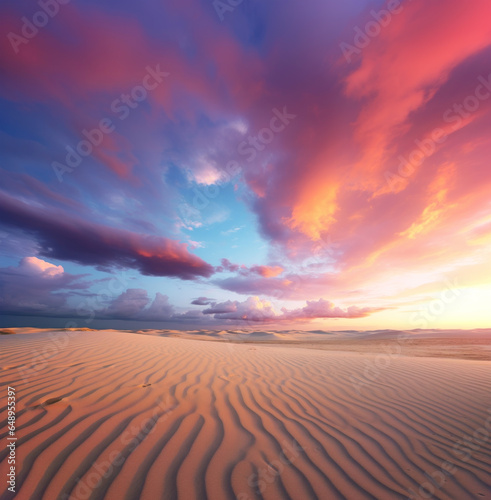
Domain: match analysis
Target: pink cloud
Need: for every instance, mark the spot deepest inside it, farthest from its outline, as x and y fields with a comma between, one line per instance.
x=267, y=271
x=325, y=309
x=402, y=68
x=322, y=176
x=327, y=181
x=264, y=271
x=41, y=267
x=254, y=309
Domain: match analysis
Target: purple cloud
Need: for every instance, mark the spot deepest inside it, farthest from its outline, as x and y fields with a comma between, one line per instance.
x=258, y=310
x=67, y=238
x=202, y=301
x=36, y=287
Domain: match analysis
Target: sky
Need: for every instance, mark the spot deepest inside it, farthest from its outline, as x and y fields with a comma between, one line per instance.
x=209, y=164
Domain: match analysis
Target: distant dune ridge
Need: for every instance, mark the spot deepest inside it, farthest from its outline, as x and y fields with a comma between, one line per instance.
x=254, y=415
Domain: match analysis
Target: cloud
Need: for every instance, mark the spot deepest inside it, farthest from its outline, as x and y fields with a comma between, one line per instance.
x=202, y=301
x=324, y=175
x=252, y=309
x=204, y=173
x=91, y=56
x=328, y=173
x=228, y=266
x=397, y=79
x=68, y=238
x=274, y=287
x=33, y=265
x=37, y=287
x=267, y=271
x=231, y=231
x=160, y=307
x=132, y=304
x=324, y=309
x=257, y=310
x=264, y=271
x=222, y=307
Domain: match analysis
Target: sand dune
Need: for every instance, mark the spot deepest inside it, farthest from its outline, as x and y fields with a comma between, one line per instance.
x=116, y=415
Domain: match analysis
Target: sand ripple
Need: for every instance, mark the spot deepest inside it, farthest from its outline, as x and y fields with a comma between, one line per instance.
x=122, y=416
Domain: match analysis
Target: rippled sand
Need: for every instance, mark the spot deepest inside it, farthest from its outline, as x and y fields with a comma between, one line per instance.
x=117, y=415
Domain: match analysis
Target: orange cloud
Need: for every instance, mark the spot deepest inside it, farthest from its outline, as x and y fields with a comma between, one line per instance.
x=267, y=271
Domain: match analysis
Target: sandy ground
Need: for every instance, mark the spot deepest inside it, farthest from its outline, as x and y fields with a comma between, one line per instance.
x=248, y=415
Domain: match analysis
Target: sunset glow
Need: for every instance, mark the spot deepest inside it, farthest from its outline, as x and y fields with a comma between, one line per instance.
x=322, y=165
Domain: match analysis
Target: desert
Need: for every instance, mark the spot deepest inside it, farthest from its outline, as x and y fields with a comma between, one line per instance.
x=155, y=414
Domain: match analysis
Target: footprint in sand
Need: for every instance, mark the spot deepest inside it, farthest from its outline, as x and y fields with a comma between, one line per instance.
x=51, y=401
x=47, y=402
